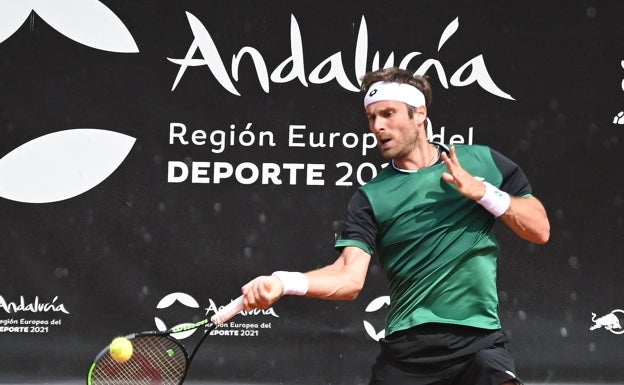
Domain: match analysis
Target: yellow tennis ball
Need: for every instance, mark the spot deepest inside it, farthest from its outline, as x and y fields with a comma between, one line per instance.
x=121, y=349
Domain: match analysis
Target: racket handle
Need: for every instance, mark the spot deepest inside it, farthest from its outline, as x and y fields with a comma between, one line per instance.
x=228, y=311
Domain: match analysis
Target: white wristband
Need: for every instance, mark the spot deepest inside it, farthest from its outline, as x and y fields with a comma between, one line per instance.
x=294, y=283
x=495, y=200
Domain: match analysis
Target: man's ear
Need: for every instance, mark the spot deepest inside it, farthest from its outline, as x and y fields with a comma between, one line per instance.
x=420, y=114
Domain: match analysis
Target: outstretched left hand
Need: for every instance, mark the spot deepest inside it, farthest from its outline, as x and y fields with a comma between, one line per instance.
x=466, y=184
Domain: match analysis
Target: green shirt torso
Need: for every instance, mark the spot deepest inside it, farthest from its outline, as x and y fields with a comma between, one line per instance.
x=436, y=246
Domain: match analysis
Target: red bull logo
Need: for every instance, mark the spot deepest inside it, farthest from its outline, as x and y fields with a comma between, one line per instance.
x=610, y=322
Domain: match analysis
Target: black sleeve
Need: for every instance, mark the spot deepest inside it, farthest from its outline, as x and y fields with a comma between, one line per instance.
x=360, y=224
x=515, y=181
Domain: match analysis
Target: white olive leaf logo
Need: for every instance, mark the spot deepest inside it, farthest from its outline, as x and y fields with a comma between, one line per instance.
x=375, y=305
x=62, y=165
x=169, y=300
x=88, y=22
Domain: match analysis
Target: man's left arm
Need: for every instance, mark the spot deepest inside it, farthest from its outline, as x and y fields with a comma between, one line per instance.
x=525, y=215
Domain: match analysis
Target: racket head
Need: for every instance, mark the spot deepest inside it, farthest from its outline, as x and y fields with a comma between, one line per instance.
x=157, y=359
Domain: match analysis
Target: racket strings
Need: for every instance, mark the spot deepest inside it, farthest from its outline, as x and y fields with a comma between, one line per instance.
x=156, y=360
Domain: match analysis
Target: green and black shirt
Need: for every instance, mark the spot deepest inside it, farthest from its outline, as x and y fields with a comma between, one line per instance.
x=436, y=246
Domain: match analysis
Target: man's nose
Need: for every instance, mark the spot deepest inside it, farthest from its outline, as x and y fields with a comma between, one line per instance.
x=376, y=125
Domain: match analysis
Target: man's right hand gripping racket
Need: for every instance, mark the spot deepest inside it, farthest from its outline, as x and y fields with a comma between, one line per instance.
x=157, y=357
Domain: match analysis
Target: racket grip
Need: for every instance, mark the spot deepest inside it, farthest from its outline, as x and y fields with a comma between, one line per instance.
x=228, y=311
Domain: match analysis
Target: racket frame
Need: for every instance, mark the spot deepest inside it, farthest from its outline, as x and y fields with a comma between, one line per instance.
x=209, y=324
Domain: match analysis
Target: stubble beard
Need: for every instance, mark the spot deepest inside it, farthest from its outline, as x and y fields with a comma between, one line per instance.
x=402, y=151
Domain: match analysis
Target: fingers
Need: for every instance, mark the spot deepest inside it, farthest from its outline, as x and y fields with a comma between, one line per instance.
x=452, y=165
x=261, y=293
x=450, y=159
x=448, y=178
x=465, y=183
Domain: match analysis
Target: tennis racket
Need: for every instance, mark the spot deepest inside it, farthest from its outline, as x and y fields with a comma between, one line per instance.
x=157, y=358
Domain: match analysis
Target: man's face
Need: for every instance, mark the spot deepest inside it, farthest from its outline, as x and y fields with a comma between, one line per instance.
x=396, y=133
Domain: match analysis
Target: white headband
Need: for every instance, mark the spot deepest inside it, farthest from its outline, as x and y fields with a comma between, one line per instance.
x=400, y=92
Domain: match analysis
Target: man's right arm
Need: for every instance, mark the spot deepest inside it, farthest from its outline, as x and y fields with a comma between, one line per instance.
x=342, y=280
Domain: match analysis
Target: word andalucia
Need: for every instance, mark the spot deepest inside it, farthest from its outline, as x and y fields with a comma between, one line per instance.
x=330, y=69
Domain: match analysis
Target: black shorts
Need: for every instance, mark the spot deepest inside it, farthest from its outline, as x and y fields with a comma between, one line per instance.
x=438, y=354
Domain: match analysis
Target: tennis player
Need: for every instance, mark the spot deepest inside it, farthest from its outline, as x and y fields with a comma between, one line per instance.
x=428, y=217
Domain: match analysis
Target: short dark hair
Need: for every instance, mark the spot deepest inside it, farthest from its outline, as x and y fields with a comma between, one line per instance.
x=398, y=75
